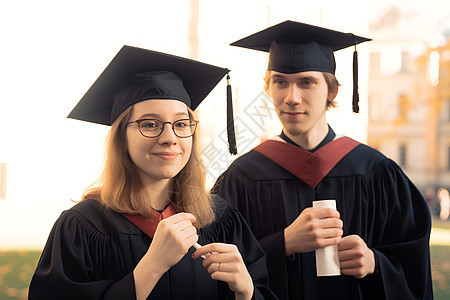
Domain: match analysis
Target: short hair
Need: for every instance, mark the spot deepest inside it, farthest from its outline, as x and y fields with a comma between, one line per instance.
x=330, y=79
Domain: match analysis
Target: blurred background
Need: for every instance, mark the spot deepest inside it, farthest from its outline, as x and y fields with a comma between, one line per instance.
x=52, y=51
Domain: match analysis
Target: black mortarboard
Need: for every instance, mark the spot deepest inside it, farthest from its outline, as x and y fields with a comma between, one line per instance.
x=297, y=47
x=136, y=74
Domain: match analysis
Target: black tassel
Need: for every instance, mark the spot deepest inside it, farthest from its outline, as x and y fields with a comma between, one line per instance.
x=230, y=120
x=355, y=82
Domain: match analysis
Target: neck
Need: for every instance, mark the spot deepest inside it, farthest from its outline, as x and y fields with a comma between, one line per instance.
x=158, y=192
x=309, y=139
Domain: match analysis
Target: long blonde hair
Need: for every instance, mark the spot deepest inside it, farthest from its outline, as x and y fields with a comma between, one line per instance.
x=120, y=188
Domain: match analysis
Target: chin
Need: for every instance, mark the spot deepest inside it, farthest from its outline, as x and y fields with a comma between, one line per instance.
x=294, y=131
x=168, y=174
x=156, y=175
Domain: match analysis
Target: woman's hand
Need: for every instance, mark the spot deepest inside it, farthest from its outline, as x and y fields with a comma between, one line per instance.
x=172, y=240
x=225, y=263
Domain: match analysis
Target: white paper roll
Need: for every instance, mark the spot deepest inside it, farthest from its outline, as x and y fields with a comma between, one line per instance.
x=327, y=260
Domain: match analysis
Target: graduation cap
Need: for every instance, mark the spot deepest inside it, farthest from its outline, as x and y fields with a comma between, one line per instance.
x=297, y=47
x=137, y=74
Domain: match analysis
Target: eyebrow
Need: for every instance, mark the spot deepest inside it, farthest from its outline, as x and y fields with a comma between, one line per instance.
x=310, y=78
x=300, y=77
x=153, y=115
x=278, y=76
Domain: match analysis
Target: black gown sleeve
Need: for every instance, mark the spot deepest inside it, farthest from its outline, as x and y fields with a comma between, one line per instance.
x=66, y=269
x=230, y=227
x=252, y=199
x=400, y=238
x=235, y=188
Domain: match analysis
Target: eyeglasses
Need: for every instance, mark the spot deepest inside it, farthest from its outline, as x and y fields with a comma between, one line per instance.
x=152, y=128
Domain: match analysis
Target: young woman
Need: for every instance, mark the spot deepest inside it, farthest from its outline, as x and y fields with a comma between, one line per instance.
x=134, y=235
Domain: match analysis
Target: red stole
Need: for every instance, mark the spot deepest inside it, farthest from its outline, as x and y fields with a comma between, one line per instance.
x=148, y=225
x=310, y=167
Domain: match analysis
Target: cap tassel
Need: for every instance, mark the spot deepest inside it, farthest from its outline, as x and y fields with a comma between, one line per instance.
x=355, y=82
x=230, y=120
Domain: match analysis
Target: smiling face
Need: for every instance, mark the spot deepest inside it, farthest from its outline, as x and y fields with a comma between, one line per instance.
x=162, y=157
x=300, y=100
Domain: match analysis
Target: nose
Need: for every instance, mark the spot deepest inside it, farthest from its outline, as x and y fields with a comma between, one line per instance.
x=294, y=95
x=167, y=136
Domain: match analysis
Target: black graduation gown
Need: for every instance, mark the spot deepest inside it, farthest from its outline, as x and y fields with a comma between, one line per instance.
x=92, y=251
x=376, y=201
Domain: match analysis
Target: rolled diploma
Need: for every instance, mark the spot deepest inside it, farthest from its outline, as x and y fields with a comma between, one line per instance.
x=327, y=260
x=197, y=246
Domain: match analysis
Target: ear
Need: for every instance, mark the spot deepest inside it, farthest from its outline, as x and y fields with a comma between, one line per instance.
x=267, y=83
x=332, y=93
x=267, y=91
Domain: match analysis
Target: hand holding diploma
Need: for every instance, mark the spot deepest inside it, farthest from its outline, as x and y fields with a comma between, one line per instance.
x=327, y=259
x=351, y=256
x=314, y=228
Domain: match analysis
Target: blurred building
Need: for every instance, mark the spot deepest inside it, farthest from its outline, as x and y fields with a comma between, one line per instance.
x=435, y=66
x=409, y=97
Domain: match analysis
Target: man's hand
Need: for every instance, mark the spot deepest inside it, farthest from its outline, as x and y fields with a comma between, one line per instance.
x=355, y=257
x=314, y=228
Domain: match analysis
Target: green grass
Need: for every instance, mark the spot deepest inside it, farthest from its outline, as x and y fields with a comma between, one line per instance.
x=440, y=271
x=17, y=267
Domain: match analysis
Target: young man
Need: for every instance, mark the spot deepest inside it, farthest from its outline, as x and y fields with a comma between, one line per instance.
x=382, y=223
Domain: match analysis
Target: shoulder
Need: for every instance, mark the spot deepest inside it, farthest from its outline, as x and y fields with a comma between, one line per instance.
x=225, y=213
x=92, y=216
x=256, y=167
x=228, y=226
x=89, y=207
x=221, y=207
x=364, y=159
x=246, y=159
x=371, y=156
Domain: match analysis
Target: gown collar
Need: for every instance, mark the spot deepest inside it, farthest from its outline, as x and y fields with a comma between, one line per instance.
x=310, y=167
x=148, y=225
x=328, y=138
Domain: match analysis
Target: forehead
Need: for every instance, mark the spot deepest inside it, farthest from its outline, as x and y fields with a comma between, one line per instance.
x=316, y=75
x=163, y=108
